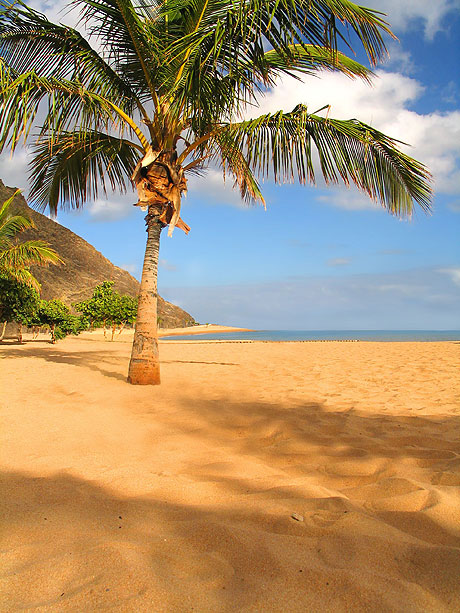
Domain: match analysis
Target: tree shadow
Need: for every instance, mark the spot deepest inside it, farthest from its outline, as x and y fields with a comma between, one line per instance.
x=71, y=544
x=84, y=359
x=91, y=545
x=298, y=432
x=198, y=362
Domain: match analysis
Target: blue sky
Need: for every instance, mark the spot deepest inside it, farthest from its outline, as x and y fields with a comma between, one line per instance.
x=318, y=258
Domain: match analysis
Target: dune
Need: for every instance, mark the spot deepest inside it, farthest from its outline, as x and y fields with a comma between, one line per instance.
x=259, y=477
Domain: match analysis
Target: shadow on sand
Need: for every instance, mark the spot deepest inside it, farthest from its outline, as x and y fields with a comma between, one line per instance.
x=72, y=544
x=85, y=359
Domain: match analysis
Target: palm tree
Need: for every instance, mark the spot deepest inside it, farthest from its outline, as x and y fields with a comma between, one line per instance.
x=162, y=94
x=16, y=256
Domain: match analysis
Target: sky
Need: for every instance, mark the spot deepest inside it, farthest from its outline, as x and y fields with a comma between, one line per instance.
x=318, y=258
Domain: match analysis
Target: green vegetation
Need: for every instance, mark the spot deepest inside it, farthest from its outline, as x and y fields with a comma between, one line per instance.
x=165, y=97
x=107, y=307
x=21, y=303
x=16, y=257
x=18, y=302
x=58, y=318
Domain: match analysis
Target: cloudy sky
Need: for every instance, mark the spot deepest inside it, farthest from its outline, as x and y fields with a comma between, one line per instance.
x=318, y=258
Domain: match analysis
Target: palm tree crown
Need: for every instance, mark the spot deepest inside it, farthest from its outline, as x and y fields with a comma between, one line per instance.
x=180, y=72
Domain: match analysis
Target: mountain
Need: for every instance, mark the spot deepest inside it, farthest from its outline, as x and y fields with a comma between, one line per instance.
x=84, y=267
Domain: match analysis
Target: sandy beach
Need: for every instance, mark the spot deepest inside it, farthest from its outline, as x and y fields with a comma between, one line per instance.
x=259, y=477
x=198, y=329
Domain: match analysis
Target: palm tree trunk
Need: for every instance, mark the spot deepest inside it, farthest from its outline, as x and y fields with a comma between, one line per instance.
x=144, y=367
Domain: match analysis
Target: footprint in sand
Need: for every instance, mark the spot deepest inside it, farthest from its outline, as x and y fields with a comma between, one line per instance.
x=324, y=512
x=394, y=494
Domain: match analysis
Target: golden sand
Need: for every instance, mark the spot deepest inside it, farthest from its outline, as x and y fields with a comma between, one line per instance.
x=259, y=477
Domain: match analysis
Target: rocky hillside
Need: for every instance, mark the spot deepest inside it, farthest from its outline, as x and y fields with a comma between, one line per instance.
x=84, y=266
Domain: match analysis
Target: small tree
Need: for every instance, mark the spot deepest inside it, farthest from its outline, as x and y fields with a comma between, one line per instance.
x=58, y=318
x=18, y=302
x=108, y=308
x=124, y=311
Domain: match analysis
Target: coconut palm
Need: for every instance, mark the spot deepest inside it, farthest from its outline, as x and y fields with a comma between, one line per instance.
x=163, y=93
x=16, y=257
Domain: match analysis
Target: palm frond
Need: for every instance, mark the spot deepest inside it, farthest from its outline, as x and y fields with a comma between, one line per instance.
x=28, y=253
x=218, y=62
x=231, y=159
x=241, y=31
x=29, y=41
x=309, y=59
x=22, y=276
x=285, y=144
x=119, y=26
x=69, y=103
x=11, y=225
x=77, y=166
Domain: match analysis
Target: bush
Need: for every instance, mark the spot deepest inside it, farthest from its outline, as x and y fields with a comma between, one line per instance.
x=58, y=318
x=18, y=303
x=108, y=308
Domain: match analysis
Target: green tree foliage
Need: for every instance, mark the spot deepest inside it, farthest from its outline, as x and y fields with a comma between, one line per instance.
x=57, y=316
x=18, y=303
x=16, y=257
x=107, y=307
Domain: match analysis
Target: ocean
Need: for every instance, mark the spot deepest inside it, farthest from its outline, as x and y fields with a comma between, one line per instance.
x=328, y=335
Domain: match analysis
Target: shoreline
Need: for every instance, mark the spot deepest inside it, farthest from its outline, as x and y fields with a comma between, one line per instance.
x=200, y=329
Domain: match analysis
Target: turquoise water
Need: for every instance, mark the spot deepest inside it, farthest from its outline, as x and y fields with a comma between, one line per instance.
x=328, y=335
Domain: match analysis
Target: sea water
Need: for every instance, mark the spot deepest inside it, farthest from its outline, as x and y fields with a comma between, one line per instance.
x=327, y=335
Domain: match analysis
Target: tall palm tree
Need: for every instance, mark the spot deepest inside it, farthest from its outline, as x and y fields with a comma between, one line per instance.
x=162, y=94
x=16, y=257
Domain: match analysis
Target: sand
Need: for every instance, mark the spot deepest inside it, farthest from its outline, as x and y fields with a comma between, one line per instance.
x=259, y=477
x=199, y=329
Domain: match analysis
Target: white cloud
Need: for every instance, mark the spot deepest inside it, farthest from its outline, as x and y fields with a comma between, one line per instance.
x=405, y=14
x=453, y=273
x=400, y=60
x=402, y=288
x=450, y=93
x=434, y=137
x=166, y=265
x=454, y=206
x=346, y=198
x=338, y=262
x=113, y=208
x=131, y=268
x=13, y=169
x=212, y=188
x=390, y=91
